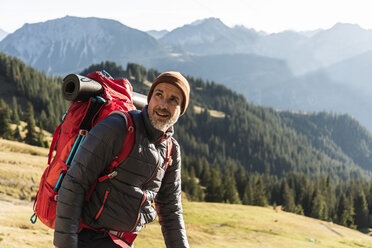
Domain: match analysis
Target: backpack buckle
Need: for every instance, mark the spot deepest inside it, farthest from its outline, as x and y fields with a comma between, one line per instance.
x=112, y=174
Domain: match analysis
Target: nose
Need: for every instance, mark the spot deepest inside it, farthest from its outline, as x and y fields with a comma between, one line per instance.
x=163, y=103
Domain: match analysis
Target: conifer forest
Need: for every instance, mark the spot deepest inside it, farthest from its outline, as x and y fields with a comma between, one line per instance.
x=312, y=164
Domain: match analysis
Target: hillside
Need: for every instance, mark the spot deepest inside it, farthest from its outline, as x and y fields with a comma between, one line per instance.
x=208, y=224
x=242, y=130
x=336, y=135
x=235, y=151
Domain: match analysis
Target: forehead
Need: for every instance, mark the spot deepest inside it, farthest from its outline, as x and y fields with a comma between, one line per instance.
x=169, y=89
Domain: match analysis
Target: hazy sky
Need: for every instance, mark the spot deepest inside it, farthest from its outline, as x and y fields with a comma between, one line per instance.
x=266, y=15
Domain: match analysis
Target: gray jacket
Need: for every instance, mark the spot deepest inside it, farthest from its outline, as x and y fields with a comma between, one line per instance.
x=122, y=203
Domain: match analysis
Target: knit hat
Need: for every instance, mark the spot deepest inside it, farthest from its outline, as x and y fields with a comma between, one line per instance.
x=176, y=79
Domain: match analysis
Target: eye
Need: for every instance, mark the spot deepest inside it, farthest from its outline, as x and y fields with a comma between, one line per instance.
x=174, y=100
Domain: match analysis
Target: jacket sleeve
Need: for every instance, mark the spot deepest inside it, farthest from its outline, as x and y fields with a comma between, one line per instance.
x=97, y=151
x=169, y=206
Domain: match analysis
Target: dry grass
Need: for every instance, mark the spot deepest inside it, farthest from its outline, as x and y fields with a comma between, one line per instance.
x=208, y=224
x=147, y=83
x=17, y=231
x=213, y=113
x=21, y=166
x=248, y=226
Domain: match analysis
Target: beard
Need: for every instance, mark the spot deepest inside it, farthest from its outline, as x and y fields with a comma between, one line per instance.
x=159, y=123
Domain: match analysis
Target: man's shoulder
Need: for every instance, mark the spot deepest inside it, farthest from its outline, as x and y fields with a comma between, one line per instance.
x=111, y=126
x=176, y=149
x=175, y=142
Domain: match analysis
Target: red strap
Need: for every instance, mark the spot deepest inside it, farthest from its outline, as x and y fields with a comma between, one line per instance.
x=168, y=159
x=127, y=236
x=128, y=142
x=108, y=176
x=118, y=241
x=123, y=154
x=53, y=144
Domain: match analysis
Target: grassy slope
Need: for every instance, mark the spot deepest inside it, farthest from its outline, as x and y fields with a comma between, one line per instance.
x=208, y=224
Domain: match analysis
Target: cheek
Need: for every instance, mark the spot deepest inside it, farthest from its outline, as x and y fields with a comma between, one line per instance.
x=176, y=113
x=151, y=105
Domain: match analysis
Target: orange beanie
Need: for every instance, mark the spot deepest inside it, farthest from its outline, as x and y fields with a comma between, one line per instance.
x=177, y=80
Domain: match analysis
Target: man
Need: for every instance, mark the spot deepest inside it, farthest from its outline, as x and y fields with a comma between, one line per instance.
x=119, y=207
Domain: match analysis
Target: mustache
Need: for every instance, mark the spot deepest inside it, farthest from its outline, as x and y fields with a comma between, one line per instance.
x=162, y=111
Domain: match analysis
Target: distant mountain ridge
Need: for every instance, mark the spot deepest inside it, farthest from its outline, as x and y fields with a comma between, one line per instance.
x=312, y=71
x=211, y=36
x=303, y=52
x=3, y=34
x=69, y=44
x=157, y=34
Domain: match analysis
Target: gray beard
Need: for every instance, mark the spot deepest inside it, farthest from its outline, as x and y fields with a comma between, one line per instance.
x=161, y=125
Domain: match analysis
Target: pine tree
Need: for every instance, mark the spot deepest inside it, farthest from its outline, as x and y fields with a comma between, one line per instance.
x=17, y=133
x=319, y=206
x=151, y=75
x=289, y=204
x=214, y=191
x=361, y=210
x=345, y=211
x=259, y=196
x=15, y=116
x=369, y=198
x=231, y=194
x=5, y=130
x=41, y=137
x=206, y=171
x=31, y=134
x=43, y=120
x=248, y=195
x=194, y=190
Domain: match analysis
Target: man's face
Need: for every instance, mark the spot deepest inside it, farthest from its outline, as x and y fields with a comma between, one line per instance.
x=165, y=106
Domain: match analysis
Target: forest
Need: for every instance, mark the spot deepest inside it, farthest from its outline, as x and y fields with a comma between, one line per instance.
x=313, y=164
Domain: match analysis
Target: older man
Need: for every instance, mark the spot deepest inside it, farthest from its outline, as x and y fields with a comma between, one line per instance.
x=119, y=207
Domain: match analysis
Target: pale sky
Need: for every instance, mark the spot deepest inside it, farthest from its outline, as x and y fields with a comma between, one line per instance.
x=263, y=15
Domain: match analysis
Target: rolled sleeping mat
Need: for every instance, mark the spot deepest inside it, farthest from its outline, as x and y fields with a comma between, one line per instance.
x=139, y=100
x=78, y=88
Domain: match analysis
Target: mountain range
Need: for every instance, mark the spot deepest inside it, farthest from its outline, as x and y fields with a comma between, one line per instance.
x=3, y=34
x=69, y=44
x=299, y=71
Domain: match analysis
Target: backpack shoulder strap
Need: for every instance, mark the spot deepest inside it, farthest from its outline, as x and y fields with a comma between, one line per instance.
x=125, y=149
x=129, y=140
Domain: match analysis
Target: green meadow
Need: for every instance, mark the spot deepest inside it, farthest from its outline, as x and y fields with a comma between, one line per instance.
x=208, y=224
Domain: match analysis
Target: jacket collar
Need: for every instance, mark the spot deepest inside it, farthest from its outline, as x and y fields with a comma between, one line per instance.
x=154, y=134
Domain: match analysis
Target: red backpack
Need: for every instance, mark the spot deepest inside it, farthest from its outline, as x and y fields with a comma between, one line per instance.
x=115, y=95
